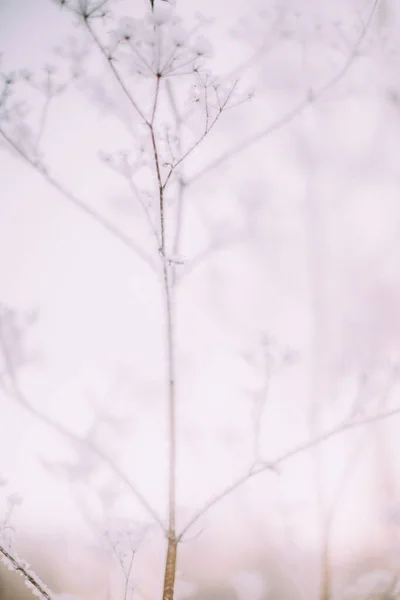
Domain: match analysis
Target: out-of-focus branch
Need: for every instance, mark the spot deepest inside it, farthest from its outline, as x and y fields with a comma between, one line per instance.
x=31, y=579
x=117, y=76
x=97, y=217
x=311, y=97
x=274, y=464
x=259, y=405
x=23, y=401
x=127, y=172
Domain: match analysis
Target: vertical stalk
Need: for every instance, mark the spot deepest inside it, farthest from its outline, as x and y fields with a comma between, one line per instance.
x=167, y=269
x=170, y=569
x=171, y=558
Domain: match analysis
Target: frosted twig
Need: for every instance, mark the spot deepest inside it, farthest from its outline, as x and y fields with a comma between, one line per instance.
x=31, y=580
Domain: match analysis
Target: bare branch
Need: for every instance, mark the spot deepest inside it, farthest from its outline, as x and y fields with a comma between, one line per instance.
x=126, y=569
x=274, y=464
x=117, y=76
x=97, y=217
x=43, y=120
x=23, y=401
x=31, y=580
x=207, y=130
x=311, y=98
x=259, y=405
x=128, y=172
x=5, y=91
x=138, y=54
x=153, y=112
x=181, y=183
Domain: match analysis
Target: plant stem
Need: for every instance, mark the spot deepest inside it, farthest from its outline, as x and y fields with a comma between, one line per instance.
x=170, y=569
x=171, y=557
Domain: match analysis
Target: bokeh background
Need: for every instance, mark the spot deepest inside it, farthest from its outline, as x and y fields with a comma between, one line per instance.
x=289, y=300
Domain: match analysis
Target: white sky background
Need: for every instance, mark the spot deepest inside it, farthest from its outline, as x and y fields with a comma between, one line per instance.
x=319, y=270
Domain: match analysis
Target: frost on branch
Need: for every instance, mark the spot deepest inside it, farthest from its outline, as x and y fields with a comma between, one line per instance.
x=12, y=561
x=31, y=580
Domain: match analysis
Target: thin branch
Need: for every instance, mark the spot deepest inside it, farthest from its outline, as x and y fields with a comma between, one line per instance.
x=43, y=121
x=97, y=217
x=175, y=71
x=142, y=58
x=171, y=556
x=176, y=50
x=274, y=464
x=128, y=174
x=181, y=183
x=128, y=575
x=294, y=112
x=155, y=103
x=120, y=559
x=201, y=138
x=114, y=70
x=259, y=406
x=31, y=580
x=5, y=92
x=136, y=192
x=23, y=401
x=160, y=189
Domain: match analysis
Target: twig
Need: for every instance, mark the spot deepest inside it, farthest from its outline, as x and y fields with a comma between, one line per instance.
x=274, y=464
x=294, y=112
x=181, y=184
x=114, y=70
x=155, y=103
x=23, y=401
x=202, y=137
x=31, y=579
x=259, y=406
x=43, y=120
x=97, y=217
x=128, y=174
x=142, y=58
